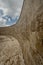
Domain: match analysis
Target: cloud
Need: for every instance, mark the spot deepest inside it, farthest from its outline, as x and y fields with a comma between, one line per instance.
x=2, y=22
x=12, y=5
x=11, y=8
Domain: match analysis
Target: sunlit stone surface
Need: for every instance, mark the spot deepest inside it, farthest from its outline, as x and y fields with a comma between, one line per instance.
x=10, y=51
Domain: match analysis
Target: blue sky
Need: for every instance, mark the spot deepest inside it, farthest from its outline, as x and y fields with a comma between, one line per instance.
x=11, y=8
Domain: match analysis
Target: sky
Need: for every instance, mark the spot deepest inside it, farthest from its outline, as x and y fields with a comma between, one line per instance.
x=10, y=11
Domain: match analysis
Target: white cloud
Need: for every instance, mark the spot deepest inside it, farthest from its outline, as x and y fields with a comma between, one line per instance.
x=11, y=8
x=2, y=22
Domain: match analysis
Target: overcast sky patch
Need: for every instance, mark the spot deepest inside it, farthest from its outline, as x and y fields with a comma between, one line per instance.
x=11, y=8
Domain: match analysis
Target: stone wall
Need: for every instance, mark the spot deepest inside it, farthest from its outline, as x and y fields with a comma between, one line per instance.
x=29, y=32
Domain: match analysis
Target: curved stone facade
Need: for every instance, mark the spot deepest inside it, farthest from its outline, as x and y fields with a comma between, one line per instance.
x=28, y=32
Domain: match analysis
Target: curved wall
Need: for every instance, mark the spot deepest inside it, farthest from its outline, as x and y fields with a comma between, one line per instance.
x=29, y=37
